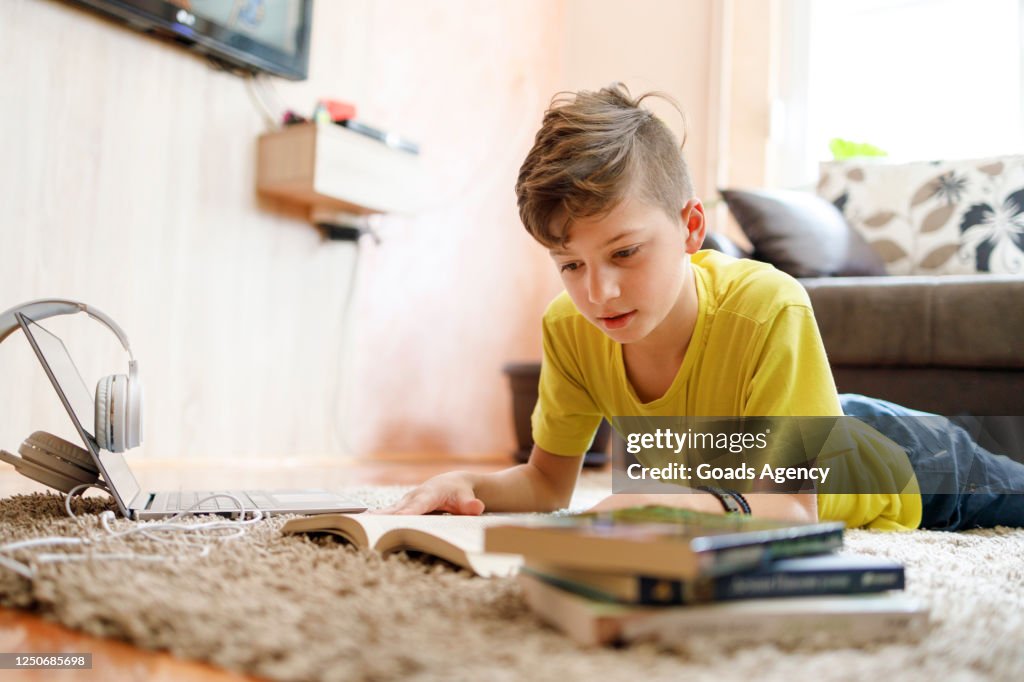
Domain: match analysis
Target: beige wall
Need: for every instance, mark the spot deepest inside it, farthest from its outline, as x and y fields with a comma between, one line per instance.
x=750, y=76
x=127, y=181
x=659, y=45
x=747, y=50
x=715, y=57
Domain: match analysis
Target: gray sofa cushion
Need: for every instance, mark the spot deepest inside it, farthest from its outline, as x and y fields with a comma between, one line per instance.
x=969, y=321
x=942, y=390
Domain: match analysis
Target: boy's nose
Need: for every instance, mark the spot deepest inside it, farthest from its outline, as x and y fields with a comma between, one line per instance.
x=602, y=286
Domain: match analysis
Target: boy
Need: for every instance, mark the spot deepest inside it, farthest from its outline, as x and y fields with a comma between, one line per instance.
x=651, y=326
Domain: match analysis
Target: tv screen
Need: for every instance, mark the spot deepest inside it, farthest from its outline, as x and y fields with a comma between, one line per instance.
x=256, y=35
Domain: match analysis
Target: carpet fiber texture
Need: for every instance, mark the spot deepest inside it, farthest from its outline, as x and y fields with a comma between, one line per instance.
x=292, y=608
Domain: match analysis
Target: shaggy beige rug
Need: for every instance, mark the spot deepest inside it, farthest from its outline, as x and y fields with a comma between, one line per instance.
x=289, y=608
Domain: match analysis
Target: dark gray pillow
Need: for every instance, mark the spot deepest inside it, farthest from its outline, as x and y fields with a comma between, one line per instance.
x=801, y=234
x=719, y=242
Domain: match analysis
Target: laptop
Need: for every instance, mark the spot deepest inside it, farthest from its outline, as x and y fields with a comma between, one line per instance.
x=132, y=500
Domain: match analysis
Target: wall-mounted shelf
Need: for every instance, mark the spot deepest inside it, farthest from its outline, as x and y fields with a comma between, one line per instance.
x=328, y=167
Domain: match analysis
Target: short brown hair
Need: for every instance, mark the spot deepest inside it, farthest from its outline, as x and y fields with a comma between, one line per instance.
x=592, y=148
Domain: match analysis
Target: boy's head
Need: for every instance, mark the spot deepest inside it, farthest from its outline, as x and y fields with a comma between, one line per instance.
x=592, y=151
x=606, y=189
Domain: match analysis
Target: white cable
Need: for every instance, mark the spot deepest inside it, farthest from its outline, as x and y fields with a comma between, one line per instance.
x=32, y=542
x=17, y=567
x=185, y=535
x=268, y=116
x=343, y=381
x=61, y=558
x=80, y=490
x=267, y=86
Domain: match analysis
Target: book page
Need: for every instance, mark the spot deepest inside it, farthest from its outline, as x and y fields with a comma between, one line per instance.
x=345, y=526
x=457, y=539
x=465, y=532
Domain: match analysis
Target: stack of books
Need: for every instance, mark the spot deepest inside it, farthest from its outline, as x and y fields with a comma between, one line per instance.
x=665, y=574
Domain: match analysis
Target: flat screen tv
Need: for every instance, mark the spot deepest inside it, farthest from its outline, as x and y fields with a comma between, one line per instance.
x=255, y=35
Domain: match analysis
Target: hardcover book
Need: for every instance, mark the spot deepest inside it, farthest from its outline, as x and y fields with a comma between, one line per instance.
x=854, y=619
x=663, y=541
x=799, y=577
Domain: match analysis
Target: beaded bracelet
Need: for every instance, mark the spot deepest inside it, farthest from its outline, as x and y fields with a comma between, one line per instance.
x=732, y=501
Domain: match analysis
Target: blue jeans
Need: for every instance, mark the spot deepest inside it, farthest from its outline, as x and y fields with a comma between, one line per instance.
x=979, y=489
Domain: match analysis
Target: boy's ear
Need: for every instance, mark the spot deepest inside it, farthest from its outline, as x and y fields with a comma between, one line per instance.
x=696, y=227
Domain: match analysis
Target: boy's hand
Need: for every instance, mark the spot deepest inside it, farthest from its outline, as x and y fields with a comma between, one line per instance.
x=451, y=492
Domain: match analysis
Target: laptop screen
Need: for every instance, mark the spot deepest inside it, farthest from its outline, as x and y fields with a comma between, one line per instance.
x=80, y=406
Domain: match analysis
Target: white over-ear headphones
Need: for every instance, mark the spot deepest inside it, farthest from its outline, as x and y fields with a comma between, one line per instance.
x=118, y=424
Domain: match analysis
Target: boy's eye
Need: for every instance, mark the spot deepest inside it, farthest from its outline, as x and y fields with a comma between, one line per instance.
x=626, y=253
x=568, y=267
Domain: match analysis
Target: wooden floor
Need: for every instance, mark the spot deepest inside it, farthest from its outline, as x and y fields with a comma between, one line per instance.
x=115, y=661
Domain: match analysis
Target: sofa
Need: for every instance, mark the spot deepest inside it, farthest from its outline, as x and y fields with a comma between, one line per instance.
x=903, y=314
x=952, y=345
x=915, y=272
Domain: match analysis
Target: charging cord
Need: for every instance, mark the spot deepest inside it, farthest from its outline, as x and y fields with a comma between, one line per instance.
x=182, y=535
x=80, y=490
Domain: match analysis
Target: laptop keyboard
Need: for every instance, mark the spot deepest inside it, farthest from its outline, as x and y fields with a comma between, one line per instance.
x=182, y=501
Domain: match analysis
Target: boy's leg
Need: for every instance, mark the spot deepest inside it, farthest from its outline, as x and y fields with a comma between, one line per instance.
x=963, y=485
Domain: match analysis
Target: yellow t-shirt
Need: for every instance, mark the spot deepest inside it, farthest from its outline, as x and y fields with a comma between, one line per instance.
x=755, y=351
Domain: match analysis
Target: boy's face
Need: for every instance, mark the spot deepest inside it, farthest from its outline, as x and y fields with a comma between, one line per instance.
x=626, y=271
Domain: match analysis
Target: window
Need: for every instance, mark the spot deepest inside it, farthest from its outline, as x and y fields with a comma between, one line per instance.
x=922, y=79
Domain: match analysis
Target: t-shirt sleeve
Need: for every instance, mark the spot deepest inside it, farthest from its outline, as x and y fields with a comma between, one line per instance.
x=565, y=418
x=791, y=377
x=898, y=508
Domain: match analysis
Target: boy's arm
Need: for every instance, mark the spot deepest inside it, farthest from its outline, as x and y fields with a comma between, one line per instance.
x=788, y=507
x=545, y=483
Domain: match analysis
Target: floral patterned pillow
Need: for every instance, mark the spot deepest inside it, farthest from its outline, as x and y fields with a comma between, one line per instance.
x=939, y=217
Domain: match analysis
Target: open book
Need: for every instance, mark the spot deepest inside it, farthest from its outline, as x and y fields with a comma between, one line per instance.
x=456, y=539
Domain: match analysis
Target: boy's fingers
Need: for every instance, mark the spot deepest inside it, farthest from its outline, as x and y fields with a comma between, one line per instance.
x=471, y=507
x=400, y=506
x=462, y=502
x=415, y=503
x=418, y=506
x=422, y=501
x=394, y=507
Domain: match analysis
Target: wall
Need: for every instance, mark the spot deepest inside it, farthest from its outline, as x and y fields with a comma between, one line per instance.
x=649, y=45
x=127, y=182
x=712, y=56
x=751, y=27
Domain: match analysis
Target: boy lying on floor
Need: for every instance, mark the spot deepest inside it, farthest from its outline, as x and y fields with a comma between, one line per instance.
x=649, y=325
